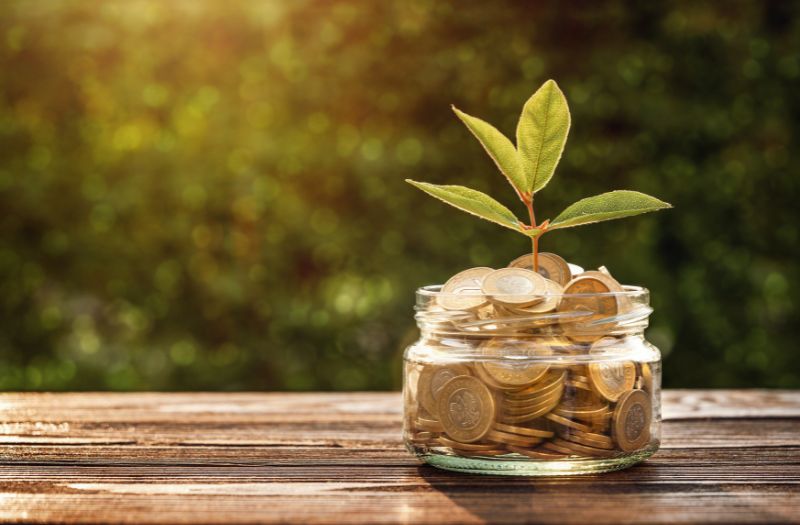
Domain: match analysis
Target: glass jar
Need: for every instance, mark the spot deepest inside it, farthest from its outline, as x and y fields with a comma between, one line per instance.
x=494, y=389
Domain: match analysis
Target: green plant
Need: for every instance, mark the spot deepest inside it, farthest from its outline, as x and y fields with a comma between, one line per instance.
x=541, y=134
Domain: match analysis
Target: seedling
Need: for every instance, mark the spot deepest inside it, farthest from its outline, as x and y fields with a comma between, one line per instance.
x=541, y=134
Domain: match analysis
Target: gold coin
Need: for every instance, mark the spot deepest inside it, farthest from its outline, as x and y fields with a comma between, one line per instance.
x=551, y=397
x=590, y=298
x=466, y=409
x=429, y=425
x=514, y=286
x=575, y=270
x=561, y=420
x=538, y=410
x=552, y=296
x=524, y=431
x=578, y=378
x=631, y=422
x=613, y=378
x=522, y=404
x=588, y=438
x=647, y=378
x=432, y=379
x=424, y=437
x=514, y=420
x=579, y=448
x=514, y=370
x=623, y=302
x=549, y=446
x=547, y=384
x=512, y=439
x=523, y=417
x=463, y=290
x=551, y=266
x=481, y=372
x=579, y=384
x=466, y=446
x=536, y=454
x=582, y=413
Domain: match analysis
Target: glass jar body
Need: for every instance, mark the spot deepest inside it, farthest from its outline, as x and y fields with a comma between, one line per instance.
x=533, y=400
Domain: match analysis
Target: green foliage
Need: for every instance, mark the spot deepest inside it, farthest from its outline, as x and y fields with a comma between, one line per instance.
x=497, y=145
x=471, y=201
x=607, y=206
x=210, y=195
x=541, y=134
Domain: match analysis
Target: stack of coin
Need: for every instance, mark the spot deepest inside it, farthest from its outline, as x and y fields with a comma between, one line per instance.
x=547, y=377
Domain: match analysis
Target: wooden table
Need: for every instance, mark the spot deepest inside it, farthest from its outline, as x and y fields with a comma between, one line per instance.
x=727, y=456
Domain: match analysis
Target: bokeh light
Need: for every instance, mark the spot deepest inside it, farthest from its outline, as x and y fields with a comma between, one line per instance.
x=210, y=195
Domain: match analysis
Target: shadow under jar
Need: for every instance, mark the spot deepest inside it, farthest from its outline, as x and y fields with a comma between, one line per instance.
x=494, y=388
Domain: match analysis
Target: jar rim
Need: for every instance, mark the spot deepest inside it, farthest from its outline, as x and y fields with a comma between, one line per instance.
x=629, y=291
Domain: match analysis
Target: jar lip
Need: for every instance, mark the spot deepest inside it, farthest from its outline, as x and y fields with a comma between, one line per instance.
x=630, y=291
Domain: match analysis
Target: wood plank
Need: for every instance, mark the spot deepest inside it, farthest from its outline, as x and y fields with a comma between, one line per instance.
x=719, y=404
x=726, y=457
x=181, y=444
x=274, y=419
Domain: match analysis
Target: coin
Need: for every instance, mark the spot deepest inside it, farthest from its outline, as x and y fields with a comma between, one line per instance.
x=623, y=301
x=552, y=296
x=576, y=382
x=512, y=439
x=647, y=378
x=431, y=380
x=579, y=448
x=466, y=409
x=588, y=438
x=429, y=425
x=514, y=369
x=549, y=446
x=611, y=378
x=466, y=446
x=631, y=422
x=548, y=403
x=463, y=290
x=590, y=295
x=547, y=384
x=582, y=413
x=524, y=431
x=561, y=420
x=525, y=416
x=551, y=266
x=424, y=438
x=514, y=286
x=574, y=269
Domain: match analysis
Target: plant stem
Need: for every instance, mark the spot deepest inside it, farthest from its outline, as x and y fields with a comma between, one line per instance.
x=534, y=240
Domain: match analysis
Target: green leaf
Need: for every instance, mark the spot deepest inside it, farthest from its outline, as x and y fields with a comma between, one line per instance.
x=607, y=206
x=497, y=145
x=541, y=133
x=471, y=201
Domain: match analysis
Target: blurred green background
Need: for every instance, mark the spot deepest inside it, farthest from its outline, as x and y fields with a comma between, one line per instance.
x=209, y=194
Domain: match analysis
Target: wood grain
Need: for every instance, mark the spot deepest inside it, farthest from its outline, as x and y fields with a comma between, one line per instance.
x=726, y=457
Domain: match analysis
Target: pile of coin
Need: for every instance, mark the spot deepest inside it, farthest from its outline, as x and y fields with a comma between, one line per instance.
x=548, y=378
